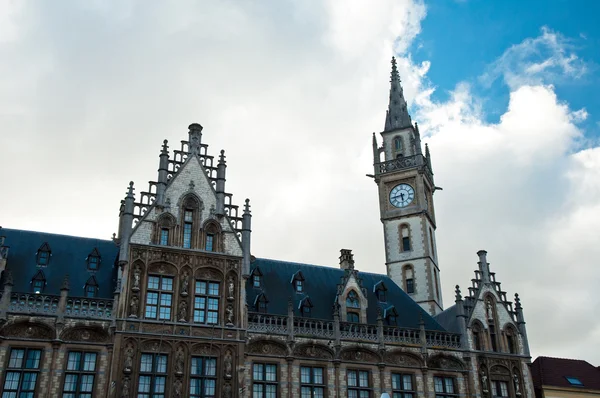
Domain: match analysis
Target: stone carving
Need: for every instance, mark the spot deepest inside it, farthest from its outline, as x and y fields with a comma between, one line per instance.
x=497, y=369
x=177, y=387
x=209, y=273
x=161, y=329
x=359, y=356
x=155, y=346
x=128, y=362
x=30, y=330
x=230, y=288
x=228, y=365
x=134, y=306
x=312, y=351
x=125, y=388
x=85, y=334
x=517, y=384
x=183, y=311
x=185, y=282
x=443, y=362
x=489, y=310
x=229, y=315
x=204, y=349
x=137, y=276
x=227, y=390
x=266, y=348
x=179, y=361
x=401, y=359
x=484, y=382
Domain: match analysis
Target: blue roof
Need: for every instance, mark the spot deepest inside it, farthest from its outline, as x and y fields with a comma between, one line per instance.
x=68, y=256
x=321, y=284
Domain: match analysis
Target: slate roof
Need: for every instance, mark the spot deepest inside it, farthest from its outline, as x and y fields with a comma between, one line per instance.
x=68, y=256
x=548, y=371
x=321, y=286
x=448, y=319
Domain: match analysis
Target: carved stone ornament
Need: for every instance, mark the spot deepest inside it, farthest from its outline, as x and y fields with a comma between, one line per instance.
x=401, y=359
x=128, y=360
x=227, y=390
x=517, y=383
x=443, y=362
x=204, y=349
x=484, y=383
x=137, y=277
x=125, y=387
x=501, y=370
x=229, y=315
x=359, y=356
x=266, y=348
x=134, y=306
x=177, y=388
x=179, y=361
x=230, y=288
x=183, y=311
x=185, y=282
x=312, y=351
x=28, y=330
x=85, y=334
x=209, y=273
x=155, y=346
x=228, y=365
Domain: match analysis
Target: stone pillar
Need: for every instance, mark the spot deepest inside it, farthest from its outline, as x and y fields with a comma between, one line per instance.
x=163, y=171
x=6, y=293
x=290, y=320
x=484, y=267
x=221, y=167
x=62, y=303
x=246, y=233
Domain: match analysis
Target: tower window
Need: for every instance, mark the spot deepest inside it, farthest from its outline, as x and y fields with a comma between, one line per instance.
x=431, y=243
x=405, y=238
x=209, y=242
x=352, y=300
x=187, y=229
x=398, y=144
x=164, y=236
x=410, y=286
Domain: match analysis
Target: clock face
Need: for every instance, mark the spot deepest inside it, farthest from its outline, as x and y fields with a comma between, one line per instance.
x=402, y=195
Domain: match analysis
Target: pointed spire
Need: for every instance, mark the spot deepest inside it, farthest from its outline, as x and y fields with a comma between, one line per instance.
x=130, y=191
x=397, y=116
x=247, y=206
x=165, y=148
x=457, y=294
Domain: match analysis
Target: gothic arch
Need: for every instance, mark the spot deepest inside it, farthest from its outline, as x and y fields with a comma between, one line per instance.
x=151, y=346
x=212, y=229
x=360, y=354
x=209, y=273
x=403, y=358
x=442, y=361
x=478, y=332
x=313, y=350
x=32, y=330
x=162, y=267
x=81, y=332
x=269, y=347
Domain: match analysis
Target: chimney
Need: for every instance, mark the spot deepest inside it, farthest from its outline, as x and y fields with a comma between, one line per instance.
x=484, y=266
x=346, y=259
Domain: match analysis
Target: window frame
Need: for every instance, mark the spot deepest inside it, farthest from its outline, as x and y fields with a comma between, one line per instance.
x=263, y=381
x=22, y=370
x=163, y=236
x=402, y=391
x=209, y=238
x=359, y=389
x=81, y=371
x=410, y=285
x=154, y=375
x=311, y=385
x=352, y=300
x=188, y=228
x=208, y=299
x=496, y=385
x=445, y=393
x=202, y=377
x=160, y=292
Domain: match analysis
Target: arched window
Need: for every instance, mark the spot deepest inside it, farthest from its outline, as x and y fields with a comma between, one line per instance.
x=408, y=278
x=398, y=144
x=405, y=245
x=164, y=226
x=212, y=233
x=477, y=332
x=352, y=300
x=189, y=212
x=43, y=255
x=511, y=340
x=38, y=282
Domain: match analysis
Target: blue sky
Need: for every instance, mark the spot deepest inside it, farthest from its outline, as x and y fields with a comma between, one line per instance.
x=461, y=38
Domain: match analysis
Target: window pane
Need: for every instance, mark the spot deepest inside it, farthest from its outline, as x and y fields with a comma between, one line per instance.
x=439, y=384
x=209, y=243
x=213, y=289
x=87, y=383
x=12, y=380
x=209, y=387
x=212, y=317
x=271, y=391
x=164, y=237
x=319, y=392
x=305, y=375
x=33, y=359
x=70, y=383
x=200, y=287
x=16, y=358
x=73, y=361
x=213, y=304
x=364, y=394
x=188, y=215
x=146, y=363
x=165, y=300
x=396, y=382
x=363, y=379
x=153, y=282
x=258, y=371
x=407, y=382
x=210, y=367
x=152, y=298
x=187, y=235
x=352, y=394
x=144, y=384
x=449, y=385
x=28, y=383
x=352, y=382
x=89, y=364
x=161, y=364
x=318, y=375
x=167, y=284
x=257, y=391
x=159, y=384
x=271, y=373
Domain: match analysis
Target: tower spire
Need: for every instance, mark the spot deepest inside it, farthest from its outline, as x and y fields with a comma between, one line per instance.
x=397, y=116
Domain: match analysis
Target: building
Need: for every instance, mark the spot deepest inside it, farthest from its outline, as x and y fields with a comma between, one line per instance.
x=560, y=377
x=176, y=306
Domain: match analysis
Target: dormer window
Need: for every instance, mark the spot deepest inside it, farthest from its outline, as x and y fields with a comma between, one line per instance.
x=299, y=286
x=380, y=291
x=43, y=255
x=261, y=303
x=91, y=288
x=38, y=282
x=352, y=300
x=93, y=260
x=306, y=306
x=298, y=282
x=391, y=316
x=256, y=278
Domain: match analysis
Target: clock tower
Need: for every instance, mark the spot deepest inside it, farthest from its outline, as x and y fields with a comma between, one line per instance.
x=405, y=181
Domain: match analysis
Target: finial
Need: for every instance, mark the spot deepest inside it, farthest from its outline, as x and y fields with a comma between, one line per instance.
x=421, y=321
x=222, y=157
x=458, y=295
x=8, y=278
x=130, y=190
x=426, y=150
x=165, y=147
x=394, y=67
x=65, y=283
x=290, y=304
x=247, y=207
x=517, y=302
x=379, y=314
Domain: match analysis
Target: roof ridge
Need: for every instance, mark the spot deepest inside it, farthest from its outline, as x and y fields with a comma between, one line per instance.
x=56, y=234
x=319, y=265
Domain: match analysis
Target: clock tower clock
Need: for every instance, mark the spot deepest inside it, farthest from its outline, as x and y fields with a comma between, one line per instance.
x=405, y=181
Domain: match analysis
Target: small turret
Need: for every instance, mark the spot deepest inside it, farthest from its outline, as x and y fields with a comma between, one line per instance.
x=460, y=314
x=194, y=139
x=221, y=168
x=484, y=266
x=521, y=323
x=126, y=222
x=246, y=233
x=417, y=140
x=163, y=171
x=346, y=259
x=375, y=150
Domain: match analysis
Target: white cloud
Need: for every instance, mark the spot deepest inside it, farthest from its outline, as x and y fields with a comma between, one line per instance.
x=292, y=90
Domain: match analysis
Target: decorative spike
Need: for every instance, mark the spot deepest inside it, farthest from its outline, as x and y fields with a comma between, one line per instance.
x=165, y=148
x=458, y=295
x=397, y=115
x=247, y=207
x=130, y=190
x=517, y=302
x=222, y=157
x=426, y=150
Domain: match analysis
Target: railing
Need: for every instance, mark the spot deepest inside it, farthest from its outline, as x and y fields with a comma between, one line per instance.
x=49, y=305
x=306, y=327
x=88, y=308
x=34, y=303
x=403, y=163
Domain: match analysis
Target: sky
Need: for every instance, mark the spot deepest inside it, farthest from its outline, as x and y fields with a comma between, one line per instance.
x=505, y=96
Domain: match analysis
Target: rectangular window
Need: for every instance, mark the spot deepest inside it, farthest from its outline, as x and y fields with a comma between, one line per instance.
x=90, y=291
x=209, y=242
x=264, y=380
x=43, y=257
x=410, y=285
x=312, y=382
x=352, y=317
x=444, y=387
x=187, y=229
x=80, y=374
x=153, y=376
x=500, y=389
x=256, y=280
x=206, y=302
x=93, y=263
x=164, y=236
x=203, y=377
x=402, y=386
x=38, y=286
x=159, y=297
x=299, y=286
x=406, y=244
x=22, y=372
x=358, y=384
